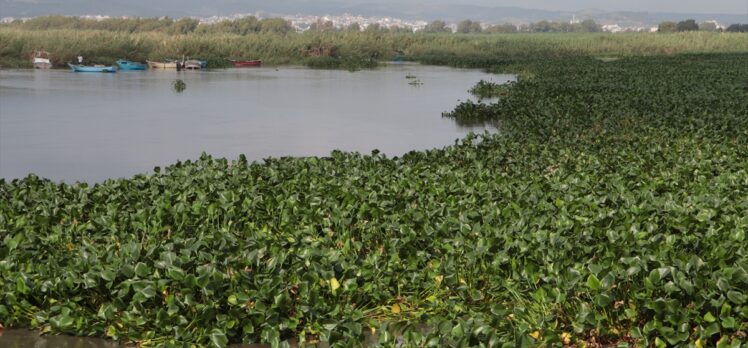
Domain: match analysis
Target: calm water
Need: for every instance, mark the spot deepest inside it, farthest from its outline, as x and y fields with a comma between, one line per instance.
x=90, y=127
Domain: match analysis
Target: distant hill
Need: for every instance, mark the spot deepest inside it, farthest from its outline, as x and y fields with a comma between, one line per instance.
x=413, y=9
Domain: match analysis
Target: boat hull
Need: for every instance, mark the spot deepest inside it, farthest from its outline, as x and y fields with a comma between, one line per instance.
x=127, y=65
x=246, y=63
x=41, y=60
x=193, y=65
x=92, y=69
x=42, y=65
x=162, y=65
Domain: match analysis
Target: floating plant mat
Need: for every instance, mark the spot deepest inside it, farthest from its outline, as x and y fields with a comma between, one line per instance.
x=612, y=209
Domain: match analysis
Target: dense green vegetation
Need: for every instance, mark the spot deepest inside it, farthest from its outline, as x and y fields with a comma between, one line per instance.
x=737, y=28
x=166, y=25
x=252, y=24
x=346, y=49
x=487, y=90
x=611, y=209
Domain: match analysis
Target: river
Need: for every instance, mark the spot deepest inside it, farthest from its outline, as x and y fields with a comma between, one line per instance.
x=90, y=127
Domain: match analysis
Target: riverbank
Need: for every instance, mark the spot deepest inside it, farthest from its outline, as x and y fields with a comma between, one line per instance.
x=348, y=50
x=611, y=210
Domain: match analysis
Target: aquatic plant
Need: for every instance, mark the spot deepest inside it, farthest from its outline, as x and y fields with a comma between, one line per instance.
x=179, y=86
x=610, y=210
x=488, y=90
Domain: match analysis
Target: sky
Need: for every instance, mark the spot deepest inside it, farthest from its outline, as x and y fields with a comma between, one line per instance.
x=684, y=6
x=410, y=9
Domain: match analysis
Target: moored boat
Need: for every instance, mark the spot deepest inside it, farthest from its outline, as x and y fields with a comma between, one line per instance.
x=169, y=65
x=41, y=60
x=246, y=63
x=129, y=65
x=193, y=64
x=96, y=68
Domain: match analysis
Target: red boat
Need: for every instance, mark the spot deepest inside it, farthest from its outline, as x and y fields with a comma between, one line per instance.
x=246, y=63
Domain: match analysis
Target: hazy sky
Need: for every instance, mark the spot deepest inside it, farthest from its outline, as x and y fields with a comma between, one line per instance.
x=697, y=6
x=703, y=6
x=198, y=7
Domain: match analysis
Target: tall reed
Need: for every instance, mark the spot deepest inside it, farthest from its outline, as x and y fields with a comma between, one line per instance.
x=16, y=46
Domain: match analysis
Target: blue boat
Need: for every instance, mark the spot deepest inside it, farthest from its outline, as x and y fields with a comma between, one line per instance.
x=127, y=65
x=97, y=69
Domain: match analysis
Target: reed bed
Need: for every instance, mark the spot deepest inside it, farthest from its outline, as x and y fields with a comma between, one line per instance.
x=347, y=49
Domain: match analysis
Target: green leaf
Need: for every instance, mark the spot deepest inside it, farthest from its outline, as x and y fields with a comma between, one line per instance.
x=709, y=318
x=736, y=297
x=729, y=323
x=141, y=270
x=218, y=338
x=593, y=283
x=711, y=330
x=108, y=275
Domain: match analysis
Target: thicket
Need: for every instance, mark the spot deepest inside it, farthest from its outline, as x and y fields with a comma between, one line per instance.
x=251, y=24
x=737, y=28
x=346, y=49
x=242, y=26
x=611, y=209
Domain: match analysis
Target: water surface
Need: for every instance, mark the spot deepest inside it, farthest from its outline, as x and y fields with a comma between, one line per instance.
x=90, y=127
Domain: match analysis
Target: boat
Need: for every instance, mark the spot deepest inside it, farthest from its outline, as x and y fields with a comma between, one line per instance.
x=129, y=65
x=95, y=68
x=170, y=65
x=41, y=60
x=246, y=63
x=193, y=64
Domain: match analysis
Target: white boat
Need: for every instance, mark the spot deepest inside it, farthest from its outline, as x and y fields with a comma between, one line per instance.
x=41, y=60
x=193, y=64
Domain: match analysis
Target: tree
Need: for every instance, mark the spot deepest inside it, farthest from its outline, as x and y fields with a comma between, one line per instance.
x=437, y=26
x=321, y=25
x=275, y=25
x=399, y=29
x=468, y=26
x=737, y=28
x=185, y=26
x=355, y=27
x=667, y=27
x=590, y=26
x=375, y=28
x=502, y=28
x=687, y=25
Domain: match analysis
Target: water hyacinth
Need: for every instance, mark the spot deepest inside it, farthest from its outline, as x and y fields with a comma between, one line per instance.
x=611, y=209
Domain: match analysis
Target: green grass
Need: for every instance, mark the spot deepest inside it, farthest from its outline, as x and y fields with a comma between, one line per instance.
x=611, y=209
